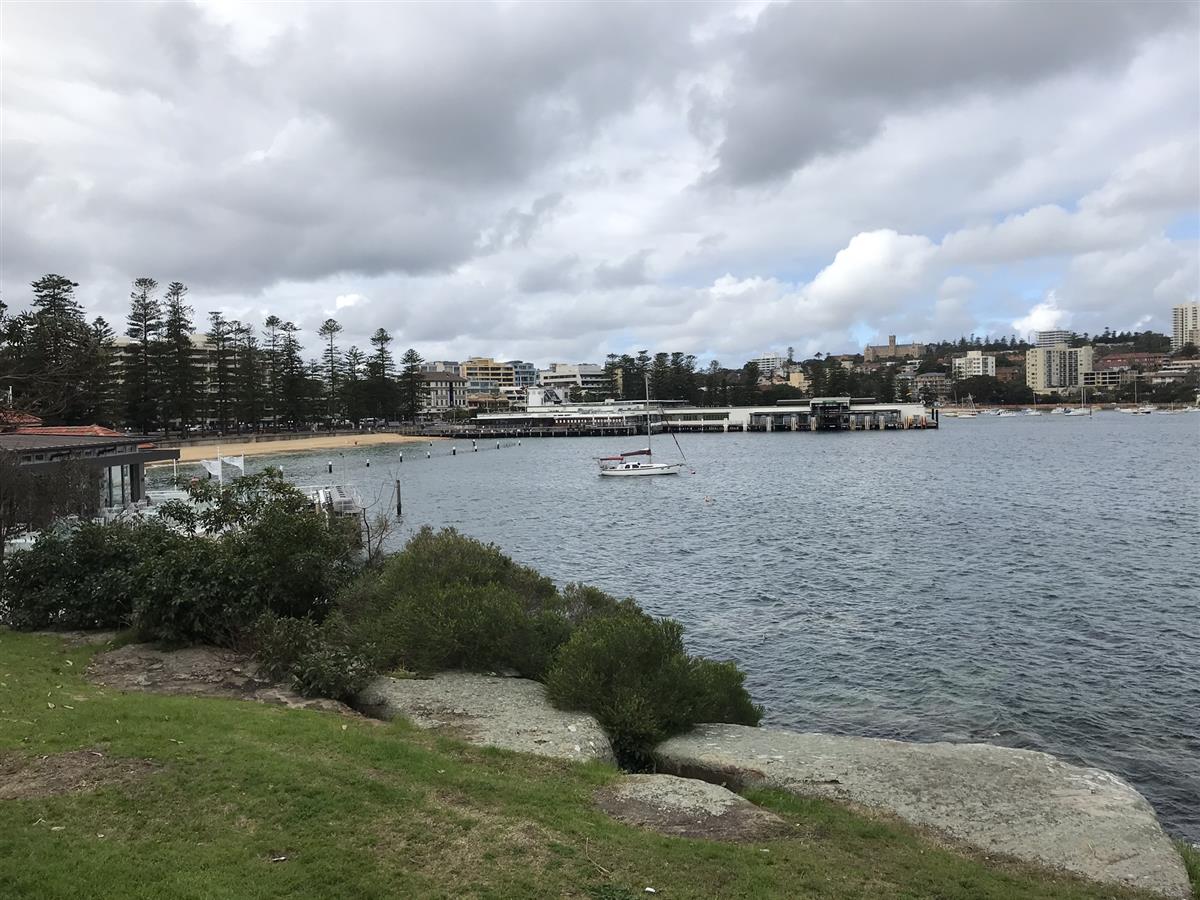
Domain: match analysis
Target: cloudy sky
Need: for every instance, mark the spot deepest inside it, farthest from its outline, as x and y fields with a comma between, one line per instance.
x=555, y=181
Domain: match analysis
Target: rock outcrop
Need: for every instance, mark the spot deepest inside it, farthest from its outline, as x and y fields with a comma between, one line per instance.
x=685, y=807
x=489, y=710
x=1019, y=803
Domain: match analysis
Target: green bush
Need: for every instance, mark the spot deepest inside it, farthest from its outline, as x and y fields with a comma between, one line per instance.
x=631, y=672
x=447, y=601
x=275, y=554
x=309, y=657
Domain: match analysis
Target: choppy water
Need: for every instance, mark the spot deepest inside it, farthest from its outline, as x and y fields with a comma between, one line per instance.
x=1026, y=582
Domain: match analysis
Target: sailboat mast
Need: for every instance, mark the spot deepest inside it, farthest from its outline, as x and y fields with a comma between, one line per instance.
x=649, y=433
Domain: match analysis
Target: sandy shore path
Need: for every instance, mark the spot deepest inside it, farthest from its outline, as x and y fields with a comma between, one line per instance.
x=197, y=452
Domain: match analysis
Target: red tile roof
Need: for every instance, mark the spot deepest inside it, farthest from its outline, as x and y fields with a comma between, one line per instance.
x=10, y=418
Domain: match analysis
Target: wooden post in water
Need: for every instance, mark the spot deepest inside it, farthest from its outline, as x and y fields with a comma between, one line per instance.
x=399, y=500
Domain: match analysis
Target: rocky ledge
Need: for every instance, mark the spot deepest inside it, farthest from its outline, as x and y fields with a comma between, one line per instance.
x=1019, y=803
x=489, y=710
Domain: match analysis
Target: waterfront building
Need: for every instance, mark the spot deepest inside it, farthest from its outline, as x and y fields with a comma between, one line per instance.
x=1052, y=338
x=892, y=350
x=1106, y=378
x=525, y=374
x=769, y=363
x=485, y=375
x=587, y=377
x=932, y=384
x=1176, y=370
x=1057, y=368
x=975, y=363
x=117, y=460
x=1185, y=325
x=444, y=392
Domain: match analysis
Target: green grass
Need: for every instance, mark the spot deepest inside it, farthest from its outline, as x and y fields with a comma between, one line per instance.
x=1191, y=862
x=362, y=810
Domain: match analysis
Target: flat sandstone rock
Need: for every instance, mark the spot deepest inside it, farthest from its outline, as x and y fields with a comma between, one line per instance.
x=1020, y=803
x=685, y=807
x=489, y=710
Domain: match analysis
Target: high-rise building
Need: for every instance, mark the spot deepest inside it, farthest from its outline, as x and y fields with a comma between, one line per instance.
x=1052, y=338
x=973, y=364
x=768, y=363
x=1056, y=368
x=1185, y=325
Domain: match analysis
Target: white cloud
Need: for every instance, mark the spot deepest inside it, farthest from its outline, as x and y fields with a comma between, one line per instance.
x=1044, y=316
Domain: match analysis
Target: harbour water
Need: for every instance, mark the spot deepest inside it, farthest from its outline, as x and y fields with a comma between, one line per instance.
x=1030, y=582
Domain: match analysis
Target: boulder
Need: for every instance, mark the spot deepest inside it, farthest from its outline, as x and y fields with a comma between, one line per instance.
x=1018, y=803
x=685, y=807
x=489, y=710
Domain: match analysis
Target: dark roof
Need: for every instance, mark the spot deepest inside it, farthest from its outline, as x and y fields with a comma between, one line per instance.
x=27, y=442
x=443, y=376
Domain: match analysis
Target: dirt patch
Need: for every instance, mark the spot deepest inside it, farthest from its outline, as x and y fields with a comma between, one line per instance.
x=75, y=639
x=198, y=672
x=76, y=772
x=682, y=807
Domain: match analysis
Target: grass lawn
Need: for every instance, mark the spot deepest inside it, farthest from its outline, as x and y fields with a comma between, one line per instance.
x=363, y=810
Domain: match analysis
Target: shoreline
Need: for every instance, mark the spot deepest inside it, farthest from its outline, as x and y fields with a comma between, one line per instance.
x=190, y=453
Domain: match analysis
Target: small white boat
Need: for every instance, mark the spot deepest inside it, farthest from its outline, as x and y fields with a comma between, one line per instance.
x=1007, y=414
x=1058, y=411
x=1078, y=411
x=1144, y=410
x=629, y=464
x=622, y=465
x=1030, y=412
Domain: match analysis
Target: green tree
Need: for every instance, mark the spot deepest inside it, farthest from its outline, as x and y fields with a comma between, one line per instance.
x=180, y=385
x=412, y=386
x=99, y=382
x=143, y=354
x=46, y=352
x=272, y=326
x=381, y=369
x=329, y=330
x=248, y=394
x=354, y=395
x=220, y=340
x=294, y=377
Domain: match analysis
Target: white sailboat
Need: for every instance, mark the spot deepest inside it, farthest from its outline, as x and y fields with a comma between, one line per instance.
x=629, y=463
x=1081, y=409
x=970, y=412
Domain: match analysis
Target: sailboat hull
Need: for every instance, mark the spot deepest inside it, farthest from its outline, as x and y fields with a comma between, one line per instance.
x=644, y=469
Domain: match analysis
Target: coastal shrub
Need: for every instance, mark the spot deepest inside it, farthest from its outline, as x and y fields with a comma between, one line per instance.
x=448, y=601
x=83, y=576
x=631, y=672
x=275, y=555
x=311, y=658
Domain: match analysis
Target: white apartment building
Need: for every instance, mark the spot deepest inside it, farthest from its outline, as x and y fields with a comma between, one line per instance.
x=1185, y=325
x=1056, y=368
x=973, y=364
x=1052, y=338
x=768, y=363
x=588, y=377
x=485, y=375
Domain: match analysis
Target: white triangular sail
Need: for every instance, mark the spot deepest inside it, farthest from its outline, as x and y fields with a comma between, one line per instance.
x=238, y=462
x=213, y=467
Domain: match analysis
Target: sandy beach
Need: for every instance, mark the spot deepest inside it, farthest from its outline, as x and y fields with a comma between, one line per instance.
x=197, y=452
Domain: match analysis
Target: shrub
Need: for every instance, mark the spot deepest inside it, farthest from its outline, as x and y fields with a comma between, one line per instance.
x=275, y=555
x=632, y=673
x=447, y=601
x=310, y=657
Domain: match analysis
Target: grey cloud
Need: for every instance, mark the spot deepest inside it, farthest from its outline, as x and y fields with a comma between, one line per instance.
x=560, y=274
x=630, y=272
x=814, y=78
x=516, y=227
